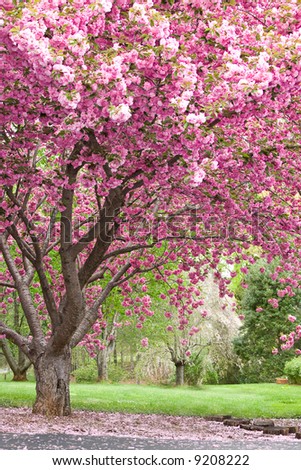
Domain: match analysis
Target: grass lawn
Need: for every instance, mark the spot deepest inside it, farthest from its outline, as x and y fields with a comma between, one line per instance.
x=243, y=400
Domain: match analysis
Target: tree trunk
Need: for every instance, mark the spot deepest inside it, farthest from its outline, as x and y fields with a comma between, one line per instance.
x=20, y=376
x=115, y=354
x=19, y=366
x=132, y=363
x=102, y=365
x=180, y=366
x=52, y=384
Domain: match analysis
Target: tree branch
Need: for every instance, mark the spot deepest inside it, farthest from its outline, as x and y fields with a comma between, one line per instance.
x=24, y=294
x=7, y=284
x=92, y=313
x=22, y=342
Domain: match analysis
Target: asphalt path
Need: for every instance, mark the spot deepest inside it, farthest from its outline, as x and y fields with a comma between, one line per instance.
x=10, y=441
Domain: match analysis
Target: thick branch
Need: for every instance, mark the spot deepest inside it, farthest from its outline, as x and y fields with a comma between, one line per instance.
x=92, y=314
x=8, y=355
x=24, y=247
x=26, y=221
x=49, y=230
x=67, y=213
x=48, y=295
x=24, y=294
x=7, y=284
x=102, y=229
x=72, y=304
x=98, y=275
x=22, y=342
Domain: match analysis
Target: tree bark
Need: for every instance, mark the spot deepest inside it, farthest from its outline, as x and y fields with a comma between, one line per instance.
x=102, y=365
x=20, y=366
x=20, y=376
x=115, y=354
x=52, y=383
x=180, y=367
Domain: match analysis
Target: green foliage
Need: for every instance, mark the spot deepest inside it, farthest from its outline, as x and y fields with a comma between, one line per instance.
x=203, y=369
x=293, y=370
x=194, y=370
x=87, y=374
x=211, y=377
x=117, y=373
x=261, y=330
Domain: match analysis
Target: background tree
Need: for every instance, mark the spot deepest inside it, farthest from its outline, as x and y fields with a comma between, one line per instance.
x=126, y=127
x=15, y=358
x=265, y=328
x=200, y=345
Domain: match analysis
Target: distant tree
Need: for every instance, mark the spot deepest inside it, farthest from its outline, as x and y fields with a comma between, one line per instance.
x=267, y=311
x=15, y=358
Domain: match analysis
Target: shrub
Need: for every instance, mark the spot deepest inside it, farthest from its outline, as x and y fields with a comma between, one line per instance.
x=194, y=371
x=118, y=374
x=87, y=373
x=263, y=324
x=293, y=370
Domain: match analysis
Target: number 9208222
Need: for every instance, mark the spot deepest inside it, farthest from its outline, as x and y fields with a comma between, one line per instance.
x=221, y=459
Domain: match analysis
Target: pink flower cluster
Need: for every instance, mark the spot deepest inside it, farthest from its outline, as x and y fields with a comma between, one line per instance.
x=144, y=342
x=120, y=113
x=274, y=303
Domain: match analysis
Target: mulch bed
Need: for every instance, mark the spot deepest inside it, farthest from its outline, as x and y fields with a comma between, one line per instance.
x=21, y=420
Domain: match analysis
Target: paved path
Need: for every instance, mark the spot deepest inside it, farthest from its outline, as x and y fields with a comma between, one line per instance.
x=71, y=442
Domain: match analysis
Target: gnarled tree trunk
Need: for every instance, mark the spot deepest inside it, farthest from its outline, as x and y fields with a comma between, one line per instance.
x=52, y=384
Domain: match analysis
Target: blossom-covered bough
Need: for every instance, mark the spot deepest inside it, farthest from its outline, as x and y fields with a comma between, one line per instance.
x=134, y=135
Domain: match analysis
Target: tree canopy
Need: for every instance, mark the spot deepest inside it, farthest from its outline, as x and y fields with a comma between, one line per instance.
x=134, y=134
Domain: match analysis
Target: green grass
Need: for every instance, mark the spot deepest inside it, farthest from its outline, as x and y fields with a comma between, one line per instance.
x=244, y=400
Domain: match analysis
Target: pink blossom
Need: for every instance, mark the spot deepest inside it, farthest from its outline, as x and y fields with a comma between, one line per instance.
x=69, y=100
x=275, y=351
x=274, y=303
x=241, y=317
x=193, y=330
x=188, y=353
x=8, y=4
x=199, y=176
x=144, y=342
x=291, y=318
x=169, y=328
x=259, y=309
x=196, y=118
x=283, y=337
x=120, y=113
x=298, y=352
x=214, y=166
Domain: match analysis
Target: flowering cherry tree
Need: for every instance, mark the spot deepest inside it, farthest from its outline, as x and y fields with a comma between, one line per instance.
x=134, y=134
